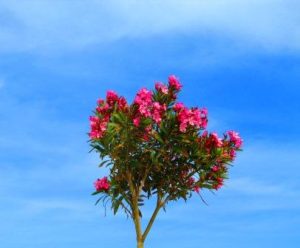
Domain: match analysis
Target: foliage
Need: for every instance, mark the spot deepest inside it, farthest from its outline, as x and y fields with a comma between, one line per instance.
x=156, y=147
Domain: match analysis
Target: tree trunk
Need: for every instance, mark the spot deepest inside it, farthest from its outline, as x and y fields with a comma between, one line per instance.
x=140, y=244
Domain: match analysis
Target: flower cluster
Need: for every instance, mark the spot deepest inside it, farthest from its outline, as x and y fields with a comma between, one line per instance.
x=157, y=110
x=190, y=117
x=211, y=141
x=235, y=139
x=143, y=100
x=215, y=140
x=111, y=97
x=161, y=88
x=102, y=184
x=220, y=150
x=104, y=109
x=147, y=107
x=174, y=83
x=98, y=126
x=219, y=183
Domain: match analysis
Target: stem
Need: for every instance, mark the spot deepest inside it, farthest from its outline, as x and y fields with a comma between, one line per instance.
x=140, y=244
x=135, y=193
x=135, y=211
x=159, y=204
x=137, y=222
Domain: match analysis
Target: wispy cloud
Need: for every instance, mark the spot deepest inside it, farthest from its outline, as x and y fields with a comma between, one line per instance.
x=43, y=25
x=46, y=173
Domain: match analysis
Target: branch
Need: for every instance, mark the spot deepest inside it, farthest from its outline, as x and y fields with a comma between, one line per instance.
x=157, y=208
x=131, y=186
x=143, y=180
x=135, y=207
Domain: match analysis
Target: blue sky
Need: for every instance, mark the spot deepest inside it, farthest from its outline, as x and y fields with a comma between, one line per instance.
x=240, y=59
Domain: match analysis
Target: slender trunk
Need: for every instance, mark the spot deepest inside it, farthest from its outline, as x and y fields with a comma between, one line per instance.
x=135, y=212
x=137, y=222
x=140, y=244
x=139, y=236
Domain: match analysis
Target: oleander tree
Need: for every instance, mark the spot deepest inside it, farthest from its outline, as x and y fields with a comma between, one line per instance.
x=156, y=147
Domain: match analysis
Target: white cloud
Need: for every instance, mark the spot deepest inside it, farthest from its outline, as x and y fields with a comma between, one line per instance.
x=44, y=25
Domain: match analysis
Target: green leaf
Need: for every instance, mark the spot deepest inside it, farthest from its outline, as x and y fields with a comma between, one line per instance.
x=98, y=200
x=96, y=192
x=103, y=162
x=117, y=205
x=158, y=137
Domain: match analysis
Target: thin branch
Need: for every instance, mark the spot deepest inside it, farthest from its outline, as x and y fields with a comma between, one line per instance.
x=131, y=186
x=143, y=179
x=157, y=208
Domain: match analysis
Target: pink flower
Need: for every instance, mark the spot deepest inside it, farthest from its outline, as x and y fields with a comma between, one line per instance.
x=182, y=127
x=146, y=135
x=196, y=188
x=183, y=118
x=98, y=126
x=198, y=117
x=103, y=109
x=156, y=105
x=216, y=140
x=103, y=126
x=156, y=117
x=220, y=182
x=204, y=134
x=178, y=106
x=94, y=120
x=143, y=96
x=102, y=184
x=203, y=113
x=122, y=103
x=144, y=101
x=94, y=123
x=174, y=82
x=145, y=110
x=148, y=129
x=235, y=138
x=158, y=111
x=191, y=181
x=215, y=168
x=111, y=97
x=161, y=87
x=100, y=101
x=94, y=134
x=193, y=117
x=136, y=121
x=232, y=154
